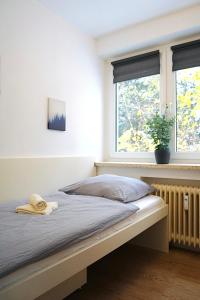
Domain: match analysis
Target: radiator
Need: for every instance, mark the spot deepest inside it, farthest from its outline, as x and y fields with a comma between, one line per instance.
x=184, y=213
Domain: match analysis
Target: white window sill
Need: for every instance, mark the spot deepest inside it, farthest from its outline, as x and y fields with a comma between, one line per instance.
x=175, y=157
x=177, y=166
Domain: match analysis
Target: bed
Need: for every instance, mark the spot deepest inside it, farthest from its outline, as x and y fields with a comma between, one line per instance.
x=58, y=275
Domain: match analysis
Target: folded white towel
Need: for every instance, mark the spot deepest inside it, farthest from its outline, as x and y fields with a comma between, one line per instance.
x=37, y=202
x=29, y=209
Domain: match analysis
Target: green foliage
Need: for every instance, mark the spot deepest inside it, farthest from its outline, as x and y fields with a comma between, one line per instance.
x=138, y=100
x=188, y=109
x=132, y=140
x=159, y=128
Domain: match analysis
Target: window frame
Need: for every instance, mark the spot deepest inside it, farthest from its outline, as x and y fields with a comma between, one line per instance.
x=147, y=155
x=167, y=96
x=171, y=87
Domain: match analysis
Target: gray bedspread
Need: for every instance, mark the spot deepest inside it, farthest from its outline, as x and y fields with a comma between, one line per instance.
x=28, y=238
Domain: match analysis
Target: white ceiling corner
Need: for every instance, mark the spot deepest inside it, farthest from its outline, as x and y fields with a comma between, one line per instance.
x=100, y=17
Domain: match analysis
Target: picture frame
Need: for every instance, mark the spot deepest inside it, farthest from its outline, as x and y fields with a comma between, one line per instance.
x=56, y=115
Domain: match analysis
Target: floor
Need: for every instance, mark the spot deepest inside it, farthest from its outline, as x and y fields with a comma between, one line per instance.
x=133, y=273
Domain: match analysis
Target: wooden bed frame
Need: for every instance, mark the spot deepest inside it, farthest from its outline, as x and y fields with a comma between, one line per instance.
x=60, y=278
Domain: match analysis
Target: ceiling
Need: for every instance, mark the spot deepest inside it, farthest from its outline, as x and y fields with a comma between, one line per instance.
x=99, y=17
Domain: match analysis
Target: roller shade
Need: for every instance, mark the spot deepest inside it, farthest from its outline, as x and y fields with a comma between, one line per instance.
x=136, y=67
x=186, y=55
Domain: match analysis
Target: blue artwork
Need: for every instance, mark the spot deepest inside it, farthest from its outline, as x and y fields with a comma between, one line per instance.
x=56, y=115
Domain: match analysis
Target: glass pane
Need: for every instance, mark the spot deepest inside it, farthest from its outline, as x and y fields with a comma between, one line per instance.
x=137, y=100
x=188, y=110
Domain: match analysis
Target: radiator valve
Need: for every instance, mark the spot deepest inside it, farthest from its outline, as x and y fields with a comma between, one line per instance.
x=186, y=201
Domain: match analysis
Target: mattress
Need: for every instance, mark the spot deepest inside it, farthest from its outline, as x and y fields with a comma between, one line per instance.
x=146, y=205
x=28, y=238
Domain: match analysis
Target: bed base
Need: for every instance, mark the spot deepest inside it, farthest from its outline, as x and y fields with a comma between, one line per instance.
x=155, y=237
x=60, y=279
x=66, y=288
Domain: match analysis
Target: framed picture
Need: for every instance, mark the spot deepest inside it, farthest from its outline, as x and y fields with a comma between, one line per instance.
x=56, y=114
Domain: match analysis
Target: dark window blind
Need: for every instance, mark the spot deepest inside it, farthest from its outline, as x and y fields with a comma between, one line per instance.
x=136, y=67
x=186, y=55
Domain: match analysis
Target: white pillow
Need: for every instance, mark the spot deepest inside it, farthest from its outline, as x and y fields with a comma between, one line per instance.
x=125, y=189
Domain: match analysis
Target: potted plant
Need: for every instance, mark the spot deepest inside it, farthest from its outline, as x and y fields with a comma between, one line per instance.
x=159, y=127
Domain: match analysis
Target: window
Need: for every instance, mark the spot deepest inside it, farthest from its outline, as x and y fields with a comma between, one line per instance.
x=186, y=64
x=137, y=84
x=139, y=94
x=137, y=100
x=188, y=110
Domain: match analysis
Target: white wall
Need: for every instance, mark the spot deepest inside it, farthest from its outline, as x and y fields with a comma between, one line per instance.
x=150, y=33
x=42, y=56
